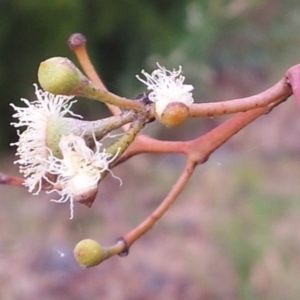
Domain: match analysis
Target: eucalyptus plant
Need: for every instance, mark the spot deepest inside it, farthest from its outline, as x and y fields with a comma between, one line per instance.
x=62, y=154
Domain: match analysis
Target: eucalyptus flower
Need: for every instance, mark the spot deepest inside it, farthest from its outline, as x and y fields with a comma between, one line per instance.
x=32, y=148
x=167, y=87
x=80, y=170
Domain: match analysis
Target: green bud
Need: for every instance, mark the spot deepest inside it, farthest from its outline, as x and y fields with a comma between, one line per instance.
x=58, y=75
x=89, y=253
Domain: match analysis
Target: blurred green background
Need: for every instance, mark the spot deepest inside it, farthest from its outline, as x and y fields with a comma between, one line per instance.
x=234, y=233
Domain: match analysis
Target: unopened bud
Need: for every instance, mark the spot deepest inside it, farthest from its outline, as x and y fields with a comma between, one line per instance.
x=58, y=75
x=89, y=253
x=76, y=40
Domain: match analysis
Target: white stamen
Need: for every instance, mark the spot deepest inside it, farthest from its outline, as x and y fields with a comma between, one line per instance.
x=166, y=87
x=32, y=147
x=80, y=169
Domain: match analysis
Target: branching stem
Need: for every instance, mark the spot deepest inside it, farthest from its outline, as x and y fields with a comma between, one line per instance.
x=150, y=221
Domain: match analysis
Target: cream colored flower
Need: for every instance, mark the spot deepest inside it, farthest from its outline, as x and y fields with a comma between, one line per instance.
x=32, y=148
x=167, y=87
x=80, y=169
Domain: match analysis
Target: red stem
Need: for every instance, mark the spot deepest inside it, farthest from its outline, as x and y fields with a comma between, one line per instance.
x=278, y=91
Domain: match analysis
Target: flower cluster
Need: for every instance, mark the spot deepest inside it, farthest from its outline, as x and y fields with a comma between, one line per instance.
x=167, y=87
x=53, y=153
x=79, y=170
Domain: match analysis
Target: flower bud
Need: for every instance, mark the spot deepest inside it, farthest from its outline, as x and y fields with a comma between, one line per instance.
x=76, y=40
x=174, y=114
x=58, y=75
x=89, y=253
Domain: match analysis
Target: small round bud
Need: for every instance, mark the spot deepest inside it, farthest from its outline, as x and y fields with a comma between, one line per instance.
x=76, y=40
x=58, y=75
x=89, y=253
x=174, y=114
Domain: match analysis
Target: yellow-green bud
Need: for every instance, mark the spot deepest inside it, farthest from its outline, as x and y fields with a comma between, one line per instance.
x=58, y=75
x=89, y=253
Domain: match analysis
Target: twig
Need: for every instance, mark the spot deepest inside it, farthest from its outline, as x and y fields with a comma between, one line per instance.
x=200, y=149
x=278, y=91
x=150, y=221
x=77, y=43
x=146, y=144
x=10, y=179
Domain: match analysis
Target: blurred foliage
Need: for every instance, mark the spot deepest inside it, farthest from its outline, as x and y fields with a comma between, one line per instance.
x=232, y=44
x=120, y=34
